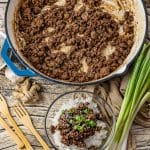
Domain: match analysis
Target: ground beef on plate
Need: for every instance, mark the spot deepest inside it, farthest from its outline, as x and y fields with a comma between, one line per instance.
x=77, y=124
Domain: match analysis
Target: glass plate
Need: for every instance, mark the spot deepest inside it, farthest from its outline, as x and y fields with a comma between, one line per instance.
x=64, y=100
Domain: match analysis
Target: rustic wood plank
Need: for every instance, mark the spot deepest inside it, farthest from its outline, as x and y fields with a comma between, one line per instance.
x=37, y=111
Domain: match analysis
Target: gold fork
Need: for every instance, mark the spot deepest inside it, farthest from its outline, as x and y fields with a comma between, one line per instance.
x=4, y=110
x=23, y=116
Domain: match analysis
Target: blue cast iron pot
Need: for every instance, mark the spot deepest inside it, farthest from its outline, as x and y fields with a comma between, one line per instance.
x=141, y=24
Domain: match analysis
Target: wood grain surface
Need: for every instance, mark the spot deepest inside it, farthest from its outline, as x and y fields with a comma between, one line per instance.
x=49, y=91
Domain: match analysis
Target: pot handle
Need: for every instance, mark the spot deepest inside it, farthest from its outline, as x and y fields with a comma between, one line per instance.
x=4, y=54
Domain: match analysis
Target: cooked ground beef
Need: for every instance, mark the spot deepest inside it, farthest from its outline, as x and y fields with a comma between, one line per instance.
x=84, y=34
x=77, y=124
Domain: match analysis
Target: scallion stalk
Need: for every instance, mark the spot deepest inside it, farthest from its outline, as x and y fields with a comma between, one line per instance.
x=136, y=95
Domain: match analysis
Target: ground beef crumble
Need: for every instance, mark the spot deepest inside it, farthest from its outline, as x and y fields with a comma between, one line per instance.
x=77, y=124
x=86, y=33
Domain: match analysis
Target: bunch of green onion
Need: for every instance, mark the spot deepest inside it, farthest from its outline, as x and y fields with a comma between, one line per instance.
x=137, y=93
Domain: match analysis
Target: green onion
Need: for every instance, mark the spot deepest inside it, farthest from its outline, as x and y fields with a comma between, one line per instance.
x=78, y=128
x=72, y=110
x=137, y=93
x=63, y=112
x=71, y=121
x=86, y=111
x=79, y=118
x=90, y=123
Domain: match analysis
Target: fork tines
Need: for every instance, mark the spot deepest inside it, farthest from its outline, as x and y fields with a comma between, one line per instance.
x=20, y=110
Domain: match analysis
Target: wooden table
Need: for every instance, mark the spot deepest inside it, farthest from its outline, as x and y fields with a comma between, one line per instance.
x=48, y=93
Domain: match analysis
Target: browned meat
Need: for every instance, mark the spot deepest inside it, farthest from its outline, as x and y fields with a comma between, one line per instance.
x=77, y=124
x=87, y=32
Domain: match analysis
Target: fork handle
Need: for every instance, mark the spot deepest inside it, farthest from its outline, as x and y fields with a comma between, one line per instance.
x=39, y=138
x=19, y=143
x=19, y=132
